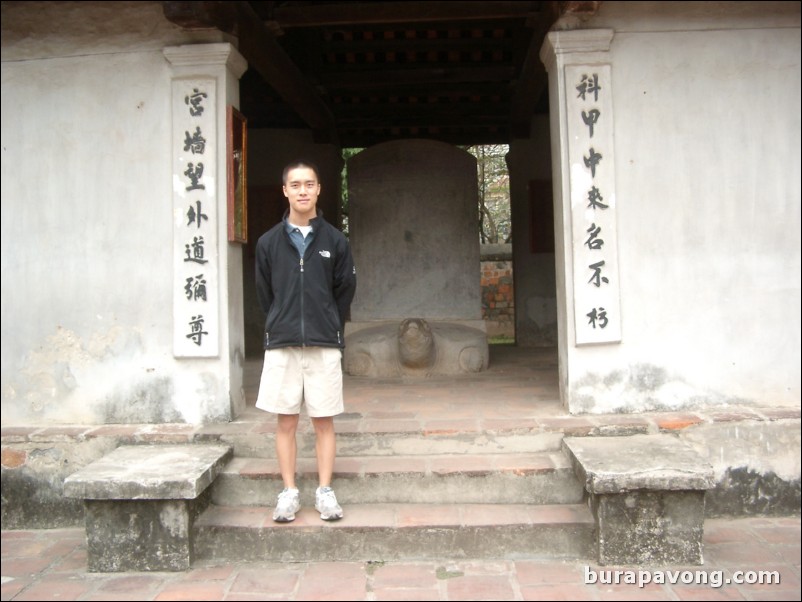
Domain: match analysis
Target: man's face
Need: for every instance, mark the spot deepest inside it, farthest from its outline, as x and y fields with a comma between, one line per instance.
x=302, y=190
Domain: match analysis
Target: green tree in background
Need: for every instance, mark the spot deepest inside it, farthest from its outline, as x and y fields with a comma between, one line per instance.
x=494, y=192
x=347, y=154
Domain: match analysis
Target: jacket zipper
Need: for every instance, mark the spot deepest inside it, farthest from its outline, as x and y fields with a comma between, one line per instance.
x=303, y=326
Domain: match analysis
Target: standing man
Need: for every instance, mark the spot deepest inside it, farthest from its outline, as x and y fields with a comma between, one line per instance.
x=305, y=282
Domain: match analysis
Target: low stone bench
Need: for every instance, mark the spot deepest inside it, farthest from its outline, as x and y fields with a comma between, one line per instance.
x=141, y=502
x=647, y=494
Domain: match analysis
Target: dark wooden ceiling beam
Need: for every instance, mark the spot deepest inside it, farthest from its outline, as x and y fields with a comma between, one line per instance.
x=265, y=55
x=377, y=79
x=366, y=13
x=532, y=81
x=460, y=72
x=468, y=113
x=439, y=120
x=453, y=92
x=400, y=45
x=366, y=138
x=259, y=47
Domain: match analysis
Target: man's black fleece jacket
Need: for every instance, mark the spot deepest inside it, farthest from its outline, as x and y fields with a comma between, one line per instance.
x=307, y=300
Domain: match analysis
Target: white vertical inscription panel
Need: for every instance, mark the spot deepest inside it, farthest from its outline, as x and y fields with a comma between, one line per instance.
x=589, y=112
x=196, y=321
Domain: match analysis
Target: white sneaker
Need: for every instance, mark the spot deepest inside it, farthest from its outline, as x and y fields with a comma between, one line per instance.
x=326, y=504
x=288, y=503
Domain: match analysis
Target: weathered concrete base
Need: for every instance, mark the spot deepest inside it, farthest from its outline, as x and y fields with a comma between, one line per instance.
x=141, y=535
x=745, y=492
x=756, y=462
x=648, y=527
x=647, y=494
x=33, y=474
x=141, y=502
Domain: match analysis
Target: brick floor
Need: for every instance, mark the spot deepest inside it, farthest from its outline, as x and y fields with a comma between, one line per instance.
x=51, y=565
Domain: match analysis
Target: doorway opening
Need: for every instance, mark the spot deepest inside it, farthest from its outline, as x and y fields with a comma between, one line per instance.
x=495, y=240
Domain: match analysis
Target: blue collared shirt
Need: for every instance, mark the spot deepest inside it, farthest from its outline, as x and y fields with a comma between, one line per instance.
x=297, y=237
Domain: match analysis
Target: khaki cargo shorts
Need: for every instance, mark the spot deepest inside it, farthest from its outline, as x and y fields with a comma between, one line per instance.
x=292, y=376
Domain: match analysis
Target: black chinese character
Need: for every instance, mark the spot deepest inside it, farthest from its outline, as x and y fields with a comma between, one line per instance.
x=595, y=199
x=195, y=174
x=195, y=142
x=589, y=86
x=196, y=329
x=597, y=278
x=592, y=161
x=196, y=216
x=600, y=317
x=196, y=288
x=195, y=251
x=590, y=118
x=593, y=242
x=194, y=101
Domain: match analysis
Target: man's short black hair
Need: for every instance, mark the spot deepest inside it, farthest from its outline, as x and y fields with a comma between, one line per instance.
x=296, y=165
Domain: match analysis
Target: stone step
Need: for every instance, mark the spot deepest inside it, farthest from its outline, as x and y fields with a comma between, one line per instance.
x=393, y=439
x=502, y=478
x=380, y=532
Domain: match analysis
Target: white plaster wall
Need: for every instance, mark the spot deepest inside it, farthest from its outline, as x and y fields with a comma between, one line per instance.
x=87, y=223
x=707, y=145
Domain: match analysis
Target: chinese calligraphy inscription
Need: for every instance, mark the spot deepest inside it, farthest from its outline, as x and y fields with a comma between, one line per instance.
x=597, y=315
x=195, y=224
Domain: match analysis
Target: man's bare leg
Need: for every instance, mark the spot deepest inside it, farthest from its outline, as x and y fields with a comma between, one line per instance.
x=325, y=448
x=287, y=448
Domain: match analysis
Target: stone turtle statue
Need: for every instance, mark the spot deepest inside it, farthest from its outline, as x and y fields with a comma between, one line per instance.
x=416, y=348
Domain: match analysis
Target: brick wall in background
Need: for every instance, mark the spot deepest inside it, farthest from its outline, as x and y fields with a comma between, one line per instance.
x=498, y=301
